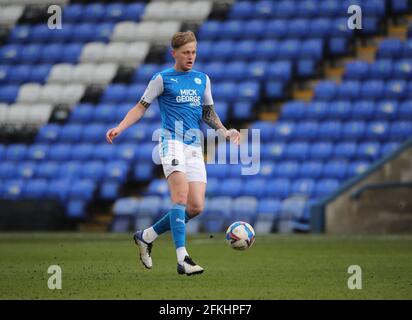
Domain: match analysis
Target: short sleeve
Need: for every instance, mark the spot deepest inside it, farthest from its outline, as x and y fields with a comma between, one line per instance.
x=207, y=96
x=154, y=89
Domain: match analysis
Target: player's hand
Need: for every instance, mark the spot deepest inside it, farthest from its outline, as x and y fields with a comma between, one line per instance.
x=233, y=135
x=112, y=134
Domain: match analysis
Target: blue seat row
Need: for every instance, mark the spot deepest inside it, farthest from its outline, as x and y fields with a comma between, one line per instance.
x=35, y=53
x=394, y=48
x=97, y=12
x=88, y=169
x=380, y=69
x=24, y=73
x=286, y=9
x=274, y=29
x=334, y=131
x=251, y=50
x=343, y=110
x=367, y=90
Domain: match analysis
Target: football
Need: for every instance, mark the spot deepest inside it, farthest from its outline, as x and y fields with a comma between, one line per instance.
x=240, y=235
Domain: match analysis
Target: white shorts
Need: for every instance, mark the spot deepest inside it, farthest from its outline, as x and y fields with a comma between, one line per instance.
x=178, y=156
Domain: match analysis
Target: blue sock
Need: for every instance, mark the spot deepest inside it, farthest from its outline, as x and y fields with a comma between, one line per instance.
x=177, y=224
x=163, y=224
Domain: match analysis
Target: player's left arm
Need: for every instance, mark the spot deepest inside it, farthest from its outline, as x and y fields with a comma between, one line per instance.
x=210, y=116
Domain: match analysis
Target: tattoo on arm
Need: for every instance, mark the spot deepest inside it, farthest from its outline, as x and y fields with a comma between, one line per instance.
x=144, y=103
x=210, y=116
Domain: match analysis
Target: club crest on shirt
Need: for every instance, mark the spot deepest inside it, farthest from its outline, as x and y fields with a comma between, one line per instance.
x=198, y=81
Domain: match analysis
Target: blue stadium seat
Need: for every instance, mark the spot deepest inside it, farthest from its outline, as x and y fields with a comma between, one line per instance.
x=307, y=8
x=82, y=113
x=283, y=130
x=348, y=89
x=5, y=71
x=273, y=151
x=345, y=150
x=212, y=187
x=339, y=110
x=145, y=72
x=264, y=9
x=242, y=110
x=83, y=152
x=356, y=70
x=93, y=133
x=243, y=50
x=20, y=34
x=226, y=91
x=303, y=187
x=368, y=150
x=272, y=29
x=93, y=170
x=294, y=110
x=297, y=28
x=222, y=50
x=400, y=130
x=362, y=110
x=255, y=187
x=325, y=187
x=209, y=30
x=278, y=188
x=297, y=151
x=13, y=189
x=357, y=167
x=325, y=90
x=275, y=90
x=59, y=189
x=8, y=169
x=330, y=8
x=320, y=27
x=116, y=170
x=405, y=111
x=310, y=169
x=82, y=189
x=285, y=9
x=158, y=187
x=381, y=69
x=151, y=205
x=109, y=190
x=388, y=148
x=25, y=170
x=231, y=187
x=47, y=170
x=217, y=72
x=316, y=110
x=76, y=209
x=311, y=49
x=114, y=93
x=70, y=132
x=143, y=171
x=11, y=53
x=279, y=70
x=287, y=169
x=72, y=53
x=329, y=131
x=335, y=169
x=2, y=152
x=389, y=48
x=395, y=89
x=244, y=209
x=372, y=89
x=242, y=10
x=94, y=12
x=70, y=170
x=386, y=110
x=321, y=150
x=37, y=152
x=307, y=68
x=257, y=70
x=217, y=214
x=20, y=74
x=60, y=152
x=231, y=29
x=73, y=12
x=306, y=130
x=377, y=130
x=16, y=152
x=400, y=6
x=292, y=49
x=234, y=71
x=134, y=11
x=353, y=130
x=84, y=32
x=115, y=12
x=8, y=93
x=256, y=29
x=402, y=69
x=35, y=189
x=40, y=73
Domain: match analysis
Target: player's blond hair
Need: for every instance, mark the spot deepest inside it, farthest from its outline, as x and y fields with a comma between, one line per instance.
x=181, y=38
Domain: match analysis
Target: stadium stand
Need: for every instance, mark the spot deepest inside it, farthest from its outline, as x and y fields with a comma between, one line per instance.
x=70, y=85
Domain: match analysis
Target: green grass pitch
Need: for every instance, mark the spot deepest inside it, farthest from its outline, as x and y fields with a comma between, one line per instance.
x=105, y=266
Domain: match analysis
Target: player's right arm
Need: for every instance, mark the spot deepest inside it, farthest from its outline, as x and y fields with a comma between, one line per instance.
x=154, y=89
